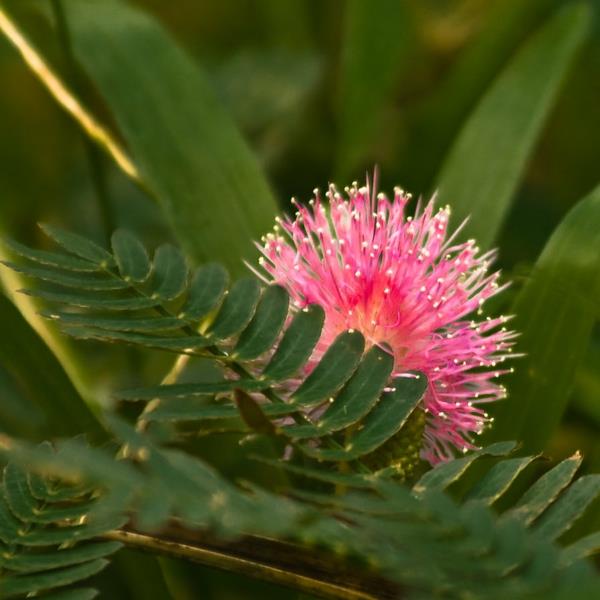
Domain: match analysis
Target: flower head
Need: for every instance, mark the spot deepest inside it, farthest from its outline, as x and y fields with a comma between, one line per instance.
x=400, y=280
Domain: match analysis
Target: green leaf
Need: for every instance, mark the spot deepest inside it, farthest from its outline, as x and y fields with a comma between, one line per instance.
x=569, y=507
x=96, y=301
x=12, y=586
x=297, y=344
x=28, y=563
x=498, y=479
x=586, y=546
x=207, y=289
x=80, y=246
x=252, y=413
x=16, y=491
x=377, y=38
x=62, y=535
x=189, y=409
x=131, y=256
x=183, y=390
x=52, y=259
x=182, y=344
x=382, y=423
x=237, y=309
x=545, y=490
x=54, y=406
x=264, y=329
x=555, y=312
x=328, y=476
x=481, y=173
x=188, y=151
x=332, y=371
x=10, y=526
x=356, y=398
x=170, y=273
x=80, y=281
x=444, y=474
x=116, y=324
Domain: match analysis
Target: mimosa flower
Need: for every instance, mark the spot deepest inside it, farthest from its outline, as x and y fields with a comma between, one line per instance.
x=400, y=280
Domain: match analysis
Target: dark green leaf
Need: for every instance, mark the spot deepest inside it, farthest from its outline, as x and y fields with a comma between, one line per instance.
x=116, y=324
x=355, y=400
x=206, y=291
x=182, y=390
x=569, y=507
x=263, y=330
x=237, y=309
x=61, y=535
x=131, y=256
x=52, y=259
x=252, y=413
x=297, y=344
x=80, y=246
x=586, y=546
x=28, y=563
x=16, y=491
x=444, y=474
x=332, y=371
x=170, y=273
x=188, y=343
x=483, y=168
x=12, y=586
x=10, y=527
x=75, y=280
x=498, y=479
x=383, y=422
x=187, y=149
x=352, y=480
x=545, y=490
x=96, y=301
x=189, y=409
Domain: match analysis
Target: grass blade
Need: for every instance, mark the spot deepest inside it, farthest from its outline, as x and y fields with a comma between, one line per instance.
x=188, y=152
x=481, y=173
x=555, y=311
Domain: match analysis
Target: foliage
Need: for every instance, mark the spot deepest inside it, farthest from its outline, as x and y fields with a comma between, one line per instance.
x=157, y=304
x=330, y=497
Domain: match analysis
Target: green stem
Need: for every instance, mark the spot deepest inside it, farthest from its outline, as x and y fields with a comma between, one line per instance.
x=297, y=574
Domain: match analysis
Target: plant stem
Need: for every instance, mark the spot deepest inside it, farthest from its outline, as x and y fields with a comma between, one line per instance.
x=296, y=573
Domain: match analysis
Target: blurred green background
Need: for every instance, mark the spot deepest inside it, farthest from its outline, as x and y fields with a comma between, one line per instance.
x=322, y=92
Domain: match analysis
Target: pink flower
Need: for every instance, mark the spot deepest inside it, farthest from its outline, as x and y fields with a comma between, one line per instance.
x=400, y=280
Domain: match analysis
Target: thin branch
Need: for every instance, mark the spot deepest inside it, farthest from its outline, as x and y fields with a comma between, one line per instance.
x=65, y=97
x=267, y=560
